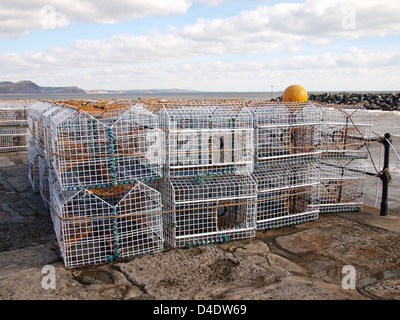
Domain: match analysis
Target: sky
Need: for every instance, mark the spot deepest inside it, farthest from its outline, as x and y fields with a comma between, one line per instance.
x=206, y=45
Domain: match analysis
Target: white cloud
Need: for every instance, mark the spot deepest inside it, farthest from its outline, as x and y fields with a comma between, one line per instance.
x=193, y=56
x=18, y=17
x=210, y=2
x=316, y=22
x=354, y=59
x=272, y=24
x=355, y=69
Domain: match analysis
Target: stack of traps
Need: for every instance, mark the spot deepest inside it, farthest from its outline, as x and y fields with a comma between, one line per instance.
x=92, y=162
x=345, y=130
x=207, y=189
x=13, y=126
x=286, y=157
x=120, y=178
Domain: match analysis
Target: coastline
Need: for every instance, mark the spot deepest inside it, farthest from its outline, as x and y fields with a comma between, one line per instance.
x=385, y=101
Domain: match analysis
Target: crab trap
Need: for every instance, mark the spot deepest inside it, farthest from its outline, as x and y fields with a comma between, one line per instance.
x=344, y=131
x=286, y=194
x=97, y=145
x=37, y=127
x=13, y=113
x=39, y=154
x=13, y=138
x=95, y=226
x=342, y=185
x=207, y=139
x=44, y=185
x=13, y=126
x=43, y=139
x=286, y=132
x=33, y=168
x=208, y=209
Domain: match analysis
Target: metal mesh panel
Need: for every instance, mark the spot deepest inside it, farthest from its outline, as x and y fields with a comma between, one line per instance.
x=344, y=130
x=156, y=105
x=33, y=168
x=207, y=139
x=97, y=225
x=37, y=125
x=286, y=132
x=44, y=125
x=208, y=209
x=342, y=183
x=13, y=113
x=286, y=194
x=43, y=180
x=13, y=126
x=120, y=146
x=13, y=138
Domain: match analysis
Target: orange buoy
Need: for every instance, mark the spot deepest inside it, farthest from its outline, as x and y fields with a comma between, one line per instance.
x=295, y=93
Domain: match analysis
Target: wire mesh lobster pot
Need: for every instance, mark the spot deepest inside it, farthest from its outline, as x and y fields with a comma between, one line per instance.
x=207, y=139
x=344, y=130
x=204, y=209
x=39, y=153
x=286, y=194
x=105, y=146
x=37, y=125
x=98, y=225
x=33, y=168
x=44, y=130
x=286, y=132
x=13, y=138
x=44, y=184
x=13, y=113
x=155, y=104
x=342, y=184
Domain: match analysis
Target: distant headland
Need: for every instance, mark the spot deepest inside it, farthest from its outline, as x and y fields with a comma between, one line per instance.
x=28, y=87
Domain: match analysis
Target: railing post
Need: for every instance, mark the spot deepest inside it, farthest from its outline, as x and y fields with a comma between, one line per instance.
x=385, y=177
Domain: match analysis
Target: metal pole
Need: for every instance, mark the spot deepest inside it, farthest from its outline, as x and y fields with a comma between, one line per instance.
x=385, y=177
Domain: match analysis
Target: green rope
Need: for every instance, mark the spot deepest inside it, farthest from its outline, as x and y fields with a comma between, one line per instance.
x=113, y=170
x=197, y=244
x=116, y=253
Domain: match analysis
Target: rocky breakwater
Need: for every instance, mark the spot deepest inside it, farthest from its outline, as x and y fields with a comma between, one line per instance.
x=371, y=101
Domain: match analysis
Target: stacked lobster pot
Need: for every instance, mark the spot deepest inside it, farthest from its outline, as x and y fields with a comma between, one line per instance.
x=207, y=189
x=37, y=142
x=286, y=159
x=95, y=160
x=344, y=131
x=13, y=125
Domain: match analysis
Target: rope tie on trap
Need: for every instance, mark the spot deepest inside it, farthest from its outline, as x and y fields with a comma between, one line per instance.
x=223, y=239
x=385, y=175
x=113, y=169
x=117, y=252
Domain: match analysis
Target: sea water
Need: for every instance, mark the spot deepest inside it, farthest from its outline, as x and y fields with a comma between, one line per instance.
x=384, y=122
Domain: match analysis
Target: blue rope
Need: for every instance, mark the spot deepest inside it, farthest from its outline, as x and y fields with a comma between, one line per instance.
x=113, y=170
x=223, y=239
x=117, y=253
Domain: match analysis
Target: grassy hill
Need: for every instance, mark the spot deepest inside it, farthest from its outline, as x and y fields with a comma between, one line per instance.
x=28, y=87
